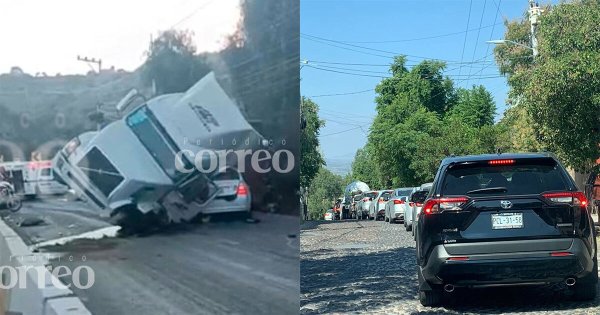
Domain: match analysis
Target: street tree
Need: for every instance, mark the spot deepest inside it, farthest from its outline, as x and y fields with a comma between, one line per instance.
x=559, y=89
x=311, y=159
x=324, y=190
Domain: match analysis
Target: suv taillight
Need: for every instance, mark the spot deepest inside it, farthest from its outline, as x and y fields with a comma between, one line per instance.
x=398, y=202
x=381, y=200
x=576, y=198
x=444, y=204
x=242, y=190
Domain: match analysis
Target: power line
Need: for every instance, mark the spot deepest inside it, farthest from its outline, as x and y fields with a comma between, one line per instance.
x=466, y=33
x=340, y=94
x=422, y=38
x=336, y=133
x=477, y=39
x=393, y=53
x=202, y=6
x=492, y=33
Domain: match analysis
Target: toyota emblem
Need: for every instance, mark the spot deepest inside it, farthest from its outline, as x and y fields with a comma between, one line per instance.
x=505, y=204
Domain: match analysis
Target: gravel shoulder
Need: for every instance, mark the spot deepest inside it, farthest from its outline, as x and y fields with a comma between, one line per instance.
x=368, y=266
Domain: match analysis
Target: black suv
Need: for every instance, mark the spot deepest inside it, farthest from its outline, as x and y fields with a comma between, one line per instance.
x=503, y=220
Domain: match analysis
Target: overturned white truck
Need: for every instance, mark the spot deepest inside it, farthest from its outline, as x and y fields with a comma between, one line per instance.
x=159, y=158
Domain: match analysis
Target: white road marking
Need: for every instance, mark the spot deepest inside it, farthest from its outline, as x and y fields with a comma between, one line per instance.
x=110, y=231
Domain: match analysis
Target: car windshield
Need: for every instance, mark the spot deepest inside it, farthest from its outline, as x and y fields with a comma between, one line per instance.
x=519, y=179
x=371, y=194
x=159, y=144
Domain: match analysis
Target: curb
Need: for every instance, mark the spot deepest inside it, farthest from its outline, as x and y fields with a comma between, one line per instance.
x=39, y=296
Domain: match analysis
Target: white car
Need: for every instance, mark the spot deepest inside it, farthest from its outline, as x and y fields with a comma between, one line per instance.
x=417, y=200
x=364, y=204
x=377, y=207
x=329, y=215
x=233, y=196
x=396, y=207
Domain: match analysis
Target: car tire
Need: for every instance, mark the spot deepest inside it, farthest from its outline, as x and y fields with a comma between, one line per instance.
x=429, y=297
x=585, y=289
x=408, y=227
x=391, y=221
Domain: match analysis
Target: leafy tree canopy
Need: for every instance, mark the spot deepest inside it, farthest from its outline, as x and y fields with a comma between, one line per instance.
x=311, y=159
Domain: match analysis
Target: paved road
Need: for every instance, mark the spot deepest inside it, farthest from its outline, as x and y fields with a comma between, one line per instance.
x=227, y=267
x=369, y=266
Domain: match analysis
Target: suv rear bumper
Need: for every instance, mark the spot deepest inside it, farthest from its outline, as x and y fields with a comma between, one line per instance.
x=518, y=267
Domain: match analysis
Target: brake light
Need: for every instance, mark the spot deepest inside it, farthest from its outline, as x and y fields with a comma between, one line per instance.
x=458, y=258
x=444, y=204
x=419, y=204
x=242, y=190
x=412, y=204
x=576, y=198
x=381, y=200
x=561, y=254
x=501, y=162
x=365, y=199
x=398, y=202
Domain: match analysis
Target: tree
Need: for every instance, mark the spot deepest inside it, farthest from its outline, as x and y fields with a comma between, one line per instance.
x=172, y=63
x=325, y=188
x=364, y=168
x=474, y=107
x=559, y=89
x=420, y=120
x=311, y=159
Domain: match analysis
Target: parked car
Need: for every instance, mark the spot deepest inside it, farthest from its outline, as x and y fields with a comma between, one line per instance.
x=377, y=207
x=234, y=194
x=364, y=204
x=396, y=206
x=509, y=219
x=348, y=204
x=416, y=204
x=329, y=215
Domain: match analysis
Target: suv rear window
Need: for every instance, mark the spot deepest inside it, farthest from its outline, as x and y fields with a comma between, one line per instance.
x=521, y=178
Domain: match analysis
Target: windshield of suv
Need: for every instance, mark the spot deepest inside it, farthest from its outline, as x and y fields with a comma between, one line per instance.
x=486, y=180
x=158, y=143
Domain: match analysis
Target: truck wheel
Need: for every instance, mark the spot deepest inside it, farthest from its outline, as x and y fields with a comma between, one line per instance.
x=134, y=222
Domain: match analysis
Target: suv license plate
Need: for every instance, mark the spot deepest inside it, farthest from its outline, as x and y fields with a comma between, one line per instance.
x=507, y=221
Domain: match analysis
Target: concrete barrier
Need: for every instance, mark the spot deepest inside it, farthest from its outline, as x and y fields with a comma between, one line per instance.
x=39, y=295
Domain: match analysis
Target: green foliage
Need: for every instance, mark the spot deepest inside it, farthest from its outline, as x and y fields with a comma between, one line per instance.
x=311, y=159
x=475, y=107
x=421, y=119
x=560, y=91
x=364, y=168
x=172, y=63
x=324, y=190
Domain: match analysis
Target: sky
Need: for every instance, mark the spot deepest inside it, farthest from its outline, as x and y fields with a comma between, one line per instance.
x=47, y=36
x=372, y=31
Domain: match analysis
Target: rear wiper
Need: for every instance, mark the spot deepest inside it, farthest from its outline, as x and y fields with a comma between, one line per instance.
x=487, y=190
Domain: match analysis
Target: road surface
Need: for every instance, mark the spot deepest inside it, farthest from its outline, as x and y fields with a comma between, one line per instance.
x=229, y=267
x=370, y=267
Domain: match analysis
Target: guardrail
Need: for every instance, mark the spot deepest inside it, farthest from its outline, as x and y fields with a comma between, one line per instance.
x=35, y=293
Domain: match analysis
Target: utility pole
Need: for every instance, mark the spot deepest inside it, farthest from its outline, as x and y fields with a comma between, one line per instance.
x=91, y=60
x=534, y=14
